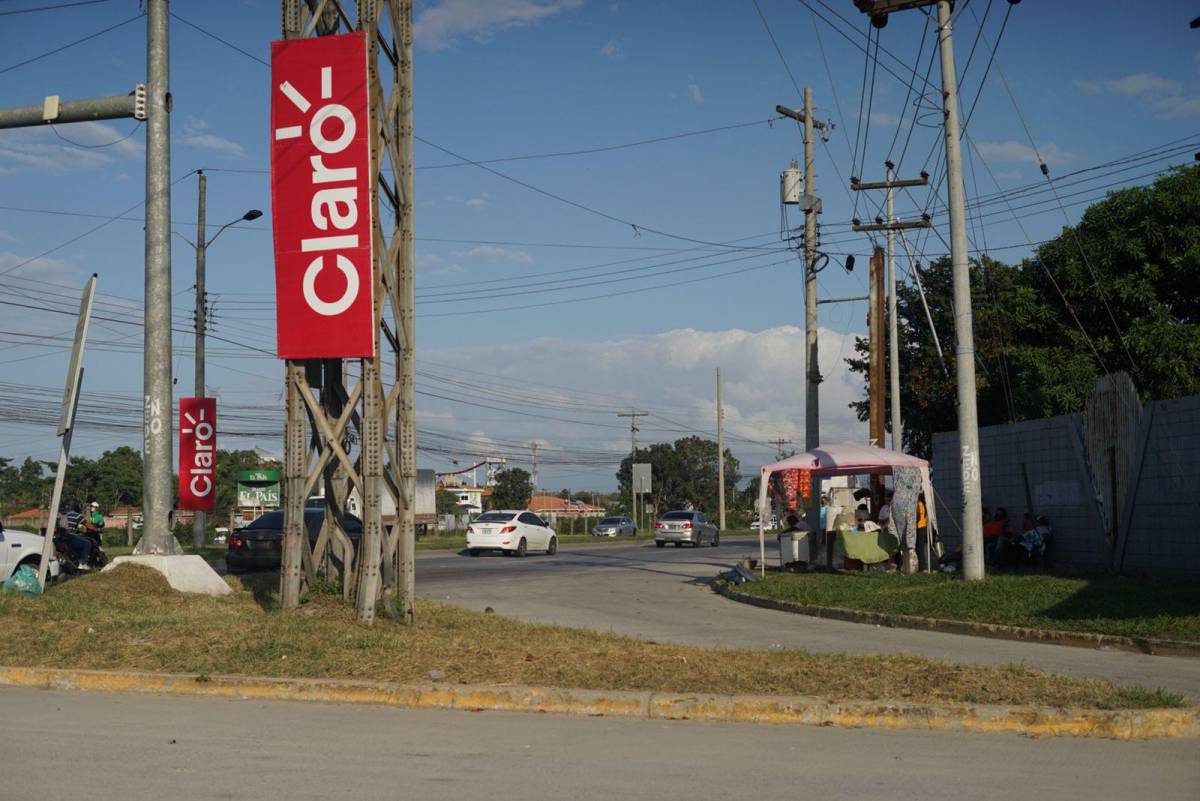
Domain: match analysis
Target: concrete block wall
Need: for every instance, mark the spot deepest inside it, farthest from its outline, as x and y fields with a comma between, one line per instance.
x=1052, y=451
x=1164, y=533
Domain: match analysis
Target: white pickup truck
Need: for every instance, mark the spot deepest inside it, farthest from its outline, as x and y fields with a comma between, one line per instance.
x=22, y=548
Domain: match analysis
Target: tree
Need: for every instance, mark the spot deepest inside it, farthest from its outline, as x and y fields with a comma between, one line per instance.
x=1047, y=329
x=684, y=474
x=229, y=464
x=512, y=490
x=446, y=502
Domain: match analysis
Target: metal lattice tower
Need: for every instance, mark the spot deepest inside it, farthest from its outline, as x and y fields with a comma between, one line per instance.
x=362, y=437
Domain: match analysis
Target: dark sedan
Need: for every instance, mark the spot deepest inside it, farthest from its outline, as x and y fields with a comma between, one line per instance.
x=259, y=546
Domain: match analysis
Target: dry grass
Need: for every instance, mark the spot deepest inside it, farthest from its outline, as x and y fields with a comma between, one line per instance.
x=130, y=618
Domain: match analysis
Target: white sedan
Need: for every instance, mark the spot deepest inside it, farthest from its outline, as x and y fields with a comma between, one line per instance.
x=22, y=548
x=511, y=532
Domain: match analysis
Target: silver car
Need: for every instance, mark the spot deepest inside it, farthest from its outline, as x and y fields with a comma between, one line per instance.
x=681, y=527
x=615, y=527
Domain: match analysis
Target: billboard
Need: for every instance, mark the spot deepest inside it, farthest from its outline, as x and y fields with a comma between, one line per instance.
x=320, y=198
x=198, y=454
x=641, y=478
x=258, y=488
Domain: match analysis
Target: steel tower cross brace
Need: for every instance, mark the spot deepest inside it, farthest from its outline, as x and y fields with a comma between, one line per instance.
x=345, y=439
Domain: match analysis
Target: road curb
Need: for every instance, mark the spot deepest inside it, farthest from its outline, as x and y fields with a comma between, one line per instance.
x=1032, y=721
x=996, y=631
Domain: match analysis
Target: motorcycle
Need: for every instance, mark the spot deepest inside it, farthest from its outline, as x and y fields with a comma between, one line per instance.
x=68, y=559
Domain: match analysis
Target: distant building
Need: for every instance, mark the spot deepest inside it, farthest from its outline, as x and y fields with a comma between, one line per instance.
x=553, y=507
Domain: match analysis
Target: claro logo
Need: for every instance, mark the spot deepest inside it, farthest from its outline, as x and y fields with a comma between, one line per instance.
x=197, y=453
x=322, y=212
x=334, y=205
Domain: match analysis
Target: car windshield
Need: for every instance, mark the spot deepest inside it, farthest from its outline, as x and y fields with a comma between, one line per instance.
x=494, y=517
x=611, y=521
x=271, y=520
x=678, y=516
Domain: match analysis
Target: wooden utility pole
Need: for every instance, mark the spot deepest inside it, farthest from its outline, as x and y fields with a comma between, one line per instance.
x=875, y=328
x=720, y=455
x=779, y=443
x=891, y=226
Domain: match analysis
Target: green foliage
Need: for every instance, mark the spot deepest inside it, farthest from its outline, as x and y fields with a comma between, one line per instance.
x=684, y=474
x=229, y=464
x=1137, y=297
x=513, y=489
x=446, y=502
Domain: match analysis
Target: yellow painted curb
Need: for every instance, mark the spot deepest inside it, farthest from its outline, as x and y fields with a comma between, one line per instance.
x=1119, y=724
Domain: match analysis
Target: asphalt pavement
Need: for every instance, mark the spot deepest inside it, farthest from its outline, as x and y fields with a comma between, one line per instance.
x=69, y=745
x=663, y=595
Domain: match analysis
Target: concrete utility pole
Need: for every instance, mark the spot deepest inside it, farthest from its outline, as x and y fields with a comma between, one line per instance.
x=158, y=492
x=812, y=370
x=720, y=455
x=633, y=415
x=199, y=519
x=968, y=419
x=533, y=449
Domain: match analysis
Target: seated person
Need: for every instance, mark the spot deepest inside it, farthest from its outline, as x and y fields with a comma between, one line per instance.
x=863, y=521
x=993, y=532
x=885, y=511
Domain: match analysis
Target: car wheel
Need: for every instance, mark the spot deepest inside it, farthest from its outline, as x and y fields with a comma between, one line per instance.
x=521, y=548
x=716, y=539
x=659, y=544
x=678, y=543
x=474, y=552
x=552, y=548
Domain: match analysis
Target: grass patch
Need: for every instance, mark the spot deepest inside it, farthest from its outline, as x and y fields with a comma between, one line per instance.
x=1131, y=607
x=129, y=618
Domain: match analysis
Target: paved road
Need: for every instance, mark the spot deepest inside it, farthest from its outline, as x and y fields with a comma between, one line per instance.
x=60, y=745
x=663, y=595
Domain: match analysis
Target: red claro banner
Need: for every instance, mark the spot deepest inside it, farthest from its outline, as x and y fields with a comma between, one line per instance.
x=198, y=454
x=320, y=197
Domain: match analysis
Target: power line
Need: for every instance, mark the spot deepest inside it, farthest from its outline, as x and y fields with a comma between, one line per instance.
x=69, y=45
x=52, y=8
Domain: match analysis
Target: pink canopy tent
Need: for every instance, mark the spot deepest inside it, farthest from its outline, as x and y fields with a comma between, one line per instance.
x=842, y=459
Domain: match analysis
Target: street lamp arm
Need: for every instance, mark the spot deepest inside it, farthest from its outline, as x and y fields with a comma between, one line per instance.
x=253, y=214
x=184, y=238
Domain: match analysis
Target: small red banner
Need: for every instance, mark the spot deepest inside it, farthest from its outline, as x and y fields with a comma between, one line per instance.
x=320, y=197
x=198, y=454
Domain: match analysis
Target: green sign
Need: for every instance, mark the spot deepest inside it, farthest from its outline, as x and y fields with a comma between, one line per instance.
x=258, y=488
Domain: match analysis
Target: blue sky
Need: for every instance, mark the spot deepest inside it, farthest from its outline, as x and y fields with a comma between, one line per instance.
x=519, y=77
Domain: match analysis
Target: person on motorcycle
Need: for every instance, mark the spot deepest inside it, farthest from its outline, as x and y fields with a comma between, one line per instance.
x=95, y=521
x=73, y=523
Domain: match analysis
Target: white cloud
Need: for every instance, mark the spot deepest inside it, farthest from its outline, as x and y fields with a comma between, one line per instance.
x=478, y=201
x=1009, y=175
x=612, y=50
x=64, y=149
x=1169, y=99
x=195, y=133
x=1131, y=85
x=427, y=260
x=1011, y=150
x=44, y=268
x=671, y=374
x=494, y=253
x=695, y=94
x=449, y=269
x=438, y=26
x=884, y=118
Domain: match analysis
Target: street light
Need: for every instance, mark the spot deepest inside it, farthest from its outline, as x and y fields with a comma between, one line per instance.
x=199, y=523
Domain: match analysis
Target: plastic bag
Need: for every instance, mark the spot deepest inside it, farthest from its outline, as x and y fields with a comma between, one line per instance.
x=25, y=580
